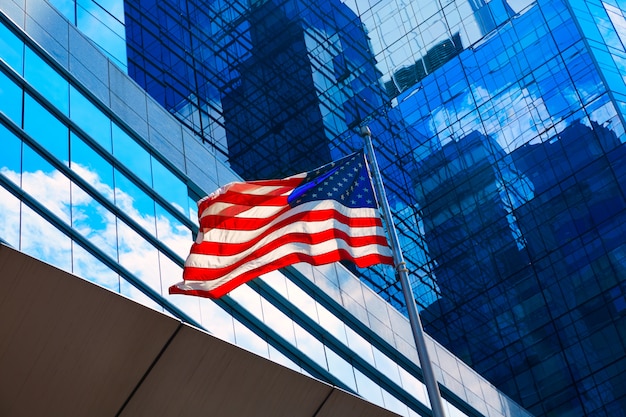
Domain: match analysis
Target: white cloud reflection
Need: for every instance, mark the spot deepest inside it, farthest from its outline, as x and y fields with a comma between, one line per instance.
x=93, y=221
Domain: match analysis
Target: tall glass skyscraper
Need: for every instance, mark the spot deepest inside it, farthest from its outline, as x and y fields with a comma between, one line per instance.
x=498, y=127
x=98, y=179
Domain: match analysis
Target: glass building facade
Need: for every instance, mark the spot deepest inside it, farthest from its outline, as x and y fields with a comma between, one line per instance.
x=98, y=179
x=498, y=127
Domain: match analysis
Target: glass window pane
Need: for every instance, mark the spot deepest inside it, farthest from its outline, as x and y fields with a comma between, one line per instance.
x=46, y=81
x=134, y=202
x=96, y=22
x=43, y=241
x=246, y=339
x=171, y=273
x=192, y=213
x=11, y=49
x=45, y=183
x=92, y=220
x=278, y=321
x=278, y=357
x=46, y=129
x=132, y=292
x=332, y=324
x=92, y=167
x=9, y=218
x=170, y=186
x=66, y=7
x=340, y=368
x=90, y=119
x=138, y=256
x=395, y=405
x=87, y=266
x=368, y=389
x=215, y=319
x=360, y=346
x=310, y=346
x=10, y=99
x=173, y=233
x=11, y=155
x=131, y=155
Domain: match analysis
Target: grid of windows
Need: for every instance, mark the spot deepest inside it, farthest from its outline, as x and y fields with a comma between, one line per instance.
x=83, y=192
x=499, y=130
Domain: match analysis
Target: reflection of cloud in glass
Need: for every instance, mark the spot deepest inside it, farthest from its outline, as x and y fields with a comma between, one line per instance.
x=9, y=218
x=507, y=119
x=245, y=338
x=44, y=241
x=85, y=265
x=104, y=27
x=93, y=221
x=50, y=188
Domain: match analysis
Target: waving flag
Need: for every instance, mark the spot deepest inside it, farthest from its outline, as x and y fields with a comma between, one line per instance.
x=251, y=228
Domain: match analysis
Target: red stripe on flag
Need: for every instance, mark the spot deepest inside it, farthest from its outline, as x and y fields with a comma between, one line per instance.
x=221, y=249
x=289, y=259
x=243, y=223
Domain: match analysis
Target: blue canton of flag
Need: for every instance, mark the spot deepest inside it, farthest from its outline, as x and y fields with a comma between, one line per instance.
x=347, y=181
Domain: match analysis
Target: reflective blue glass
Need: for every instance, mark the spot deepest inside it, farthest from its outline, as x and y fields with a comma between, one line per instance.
x=139, y=257
x=87, y=266
x=56, y=249
x=90, y=119
x=92, y=167
x=168, y=185
x=46, y=81
x=10, y=224
x=10, y=157
x=46, y=129
x=134, y=202
x=10, y=99
x=47, y=184
x=130, y=291
x=499, y=131
x=67, y=8
x=11, y=49
x=94, y=221
x=131, y=155
x=103, y=22
x=172, y=232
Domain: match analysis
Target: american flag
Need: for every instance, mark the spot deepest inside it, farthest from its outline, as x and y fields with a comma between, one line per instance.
x=251, y=228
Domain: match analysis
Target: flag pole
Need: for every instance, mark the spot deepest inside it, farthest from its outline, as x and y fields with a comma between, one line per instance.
x=416, y=325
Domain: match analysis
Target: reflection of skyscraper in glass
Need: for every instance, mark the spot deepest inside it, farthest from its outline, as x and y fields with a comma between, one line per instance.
x=524, y=242
x=490, y=14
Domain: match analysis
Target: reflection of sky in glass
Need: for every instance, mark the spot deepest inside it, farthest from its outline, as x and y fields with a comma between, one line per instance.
x=46, y=81
x=44, y=241
x=104, y=24
x=10, y=99
x=402, y=31
x=101, y=20
x=11, y=49
x=513, y=113
x=92, y=220
x=10, y=224
x=46, y=129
